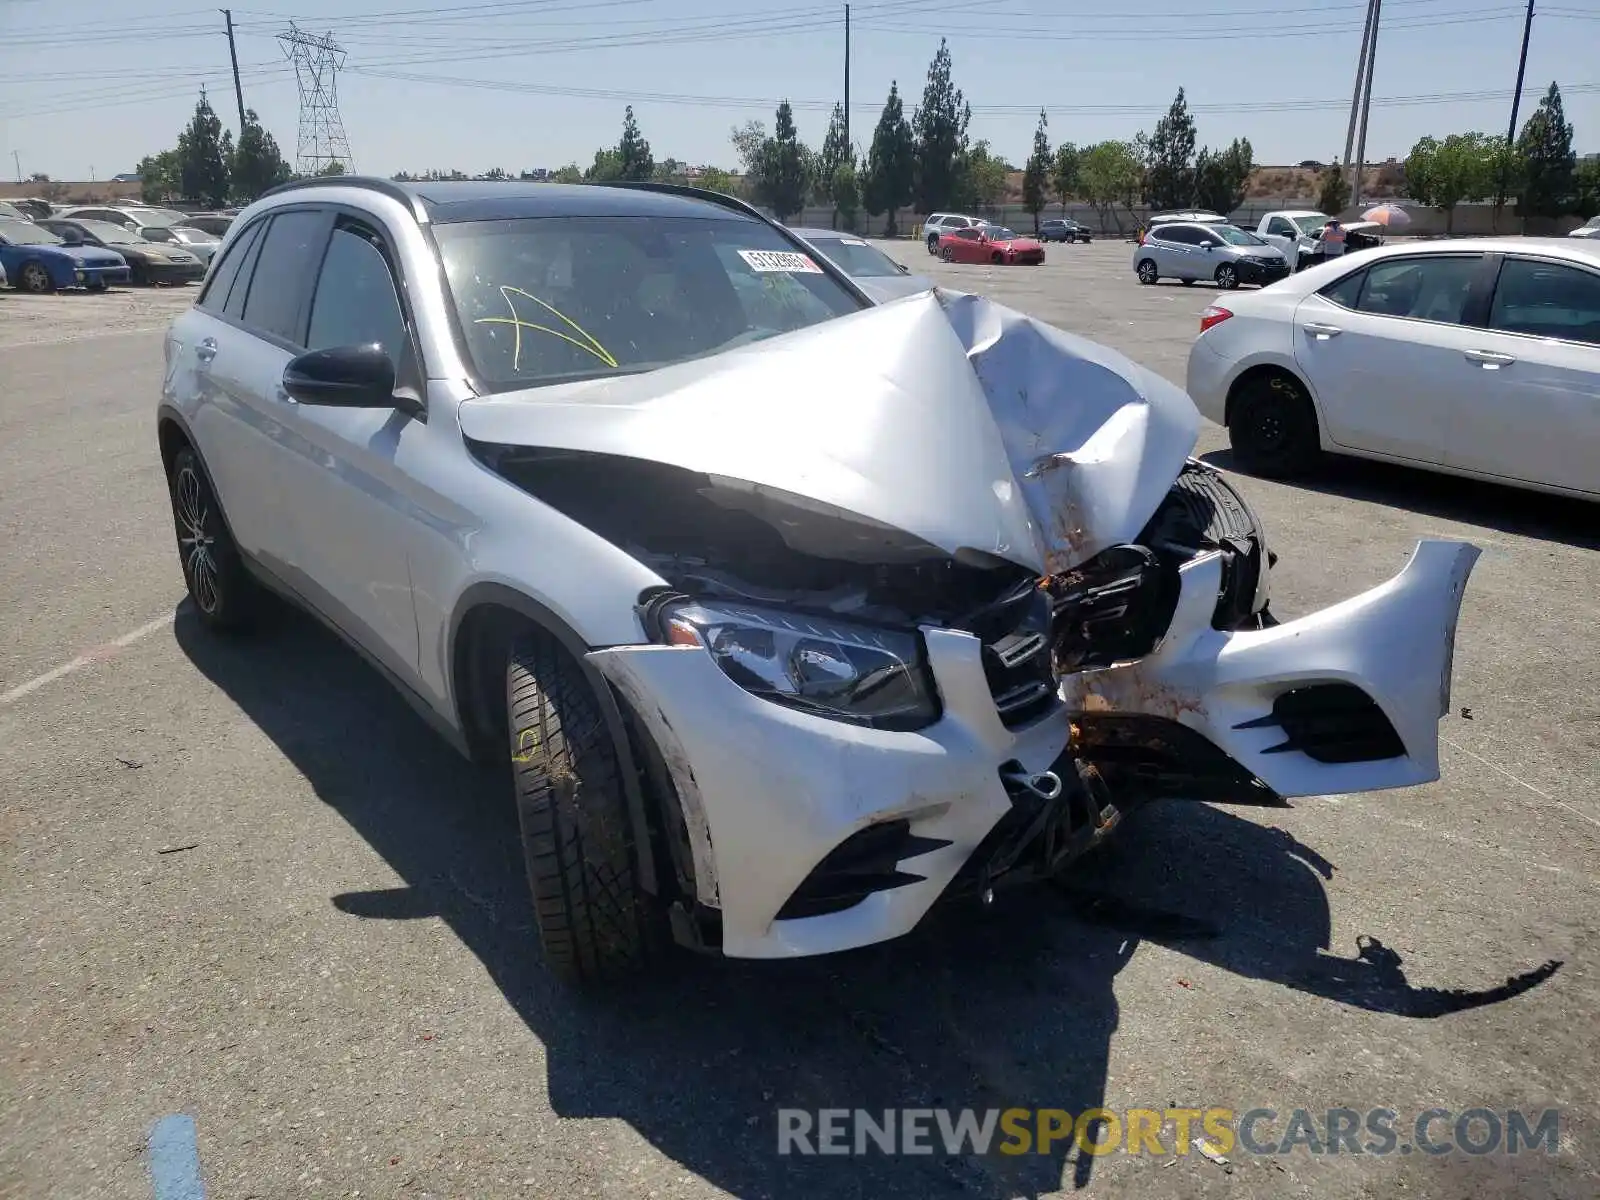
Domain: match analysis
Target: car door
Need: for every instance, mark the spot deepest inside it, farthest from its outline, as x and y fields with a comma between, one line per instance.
x=1382, y=348
x=1176, y=247
x=1527, y=400
x=345, y=471
x=225, y=367
x=964, y=244
x=1281, y=232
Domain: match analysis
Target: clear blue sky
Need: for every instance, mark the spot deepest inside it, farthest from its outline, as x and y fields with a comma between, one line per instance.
x=96, y=84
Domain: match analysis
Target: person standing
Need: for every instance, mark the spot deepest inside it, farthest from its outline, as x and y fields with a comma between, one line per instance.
x=1333, y=237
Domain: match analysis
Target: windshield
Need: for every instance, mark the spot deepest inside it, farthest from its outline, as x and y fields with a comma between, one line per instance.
x=1235, y=236
x=1311, y=224
x=195, y=237
x=25, y=233
x=111, y=234
x=857, y=258
x=549, y=299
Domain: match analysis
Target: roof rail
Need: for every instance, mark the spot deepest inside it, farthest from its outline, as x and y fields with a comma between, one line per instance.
x=722, y=199
x=372, y=183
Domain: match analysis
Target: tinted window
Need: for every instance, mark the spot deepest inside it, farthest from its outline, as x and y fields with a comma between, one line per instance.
x=1434, y=288
x=970, y=235
x=1347, y=291
x=1547, y=300
x=288, y=258
x=1281, y=227
x=1181, y=234
x=216, y=294
x=547, y=299
x=356, y=301
x=233, y=302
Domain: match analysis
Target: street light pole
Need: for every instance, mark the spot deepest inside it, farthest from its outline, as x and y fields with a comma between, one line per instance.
x=1366, y=105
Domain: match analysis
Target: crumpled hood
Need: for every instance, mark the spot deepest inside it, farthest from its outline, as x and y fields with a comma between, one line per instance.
x=955, y=419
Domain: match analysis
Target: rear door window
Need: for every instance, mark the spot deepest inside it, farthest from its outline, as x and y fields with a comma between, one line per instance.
x=215, y=296
x=1547, y=300
x=286, y=264
x=1431, y=288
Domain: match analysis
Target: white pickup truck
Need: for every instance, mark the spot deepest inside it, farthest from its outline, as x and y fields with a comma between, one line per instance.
x=1293, y=231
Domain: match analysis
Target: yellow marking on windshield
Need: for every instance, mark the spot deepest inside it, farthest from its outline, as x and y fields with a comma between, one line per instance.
x=589, y=345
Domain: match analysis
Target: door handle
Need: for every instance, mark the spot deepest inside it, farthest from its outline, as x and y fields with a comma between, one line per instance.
x=1489, y=360
x=1321, y=331
x=206, y=350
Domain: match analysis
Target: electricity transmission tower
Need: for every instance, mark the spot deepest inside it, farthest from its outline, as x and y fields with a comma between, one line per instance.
x=317, y=62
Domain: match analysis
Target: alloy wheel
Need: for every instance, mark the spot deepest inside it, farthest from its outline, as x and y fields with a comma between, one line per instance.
x=34, y=278
x=197, y=539
x=1227, y=278
x=1147, y=271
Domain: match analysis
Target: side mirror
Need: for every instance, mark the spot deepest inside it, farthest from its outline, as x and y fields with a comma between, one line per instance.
x=343, y=377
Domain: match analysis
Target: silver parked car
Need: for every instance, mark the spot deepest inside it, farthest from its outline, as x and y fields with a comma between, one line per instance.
x=196, y=241
x=1222, y=254
x=786, y=615
x=874, y=272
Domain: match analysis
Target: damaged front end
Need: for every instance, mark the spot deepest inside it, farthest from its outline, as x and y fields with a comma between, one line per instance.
x=941, y=596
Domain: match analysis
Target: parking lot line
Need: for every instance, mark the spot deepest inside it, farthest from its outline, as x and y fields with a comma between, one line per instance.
x=1494, y=766
x=175, y=1159
x=87, y=658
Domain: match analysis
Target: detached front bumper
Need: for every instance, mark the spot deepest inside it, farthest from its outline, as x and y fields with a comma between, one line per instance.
x=1345, y=700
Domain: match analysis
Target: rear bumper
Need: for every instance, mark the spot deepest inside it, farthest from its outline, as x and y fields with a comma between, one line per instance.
x=1207, y=379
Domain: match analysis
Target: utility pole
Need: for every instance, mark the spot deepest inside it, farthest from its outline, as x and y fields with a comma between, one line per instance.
x=1355, y=95
x=1511, y=129
x=847, y=71
x=233, y=53
x=16, y=158
x=1366, y=105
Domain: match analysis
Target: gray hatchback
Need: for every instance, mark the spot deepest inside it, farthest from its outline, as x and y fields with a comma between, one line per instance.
x=1224, y=254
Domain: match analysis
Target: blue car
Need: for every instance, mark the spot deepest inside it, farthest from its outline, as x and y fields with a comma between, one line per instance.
x=36, y=260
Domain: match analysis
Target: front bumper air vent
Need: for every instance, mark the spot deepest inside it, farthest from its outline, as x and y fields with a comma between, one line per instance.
x=1331, y=723
x=865, y=862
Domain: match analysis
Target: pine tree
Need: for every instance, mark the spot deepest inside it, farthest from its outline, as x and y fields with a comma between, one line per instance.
x=1169, y=175
x=940, y=125
x=835, y=153
x=784, y=167
x=203, y=155
x=1036, y=175
x=633, y=152
x=891, y=162
x=1548, y=163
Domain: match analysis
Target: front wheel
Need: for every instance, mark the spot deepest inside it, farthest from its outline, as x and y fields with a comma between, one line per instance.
x=1272, y=427
x=594, y=921
x=1147, y=271
x=221, y=589
x=1227, y=277
x=933, y=245
x=34, y=278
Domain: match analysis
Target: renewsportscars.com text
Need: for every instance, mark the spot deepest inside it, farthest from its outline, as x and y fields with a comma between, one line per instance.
x=1167, y=1131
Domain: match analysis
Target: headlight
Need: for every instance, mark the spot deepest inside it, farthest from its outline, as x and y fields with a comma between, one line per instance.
x=848, y=672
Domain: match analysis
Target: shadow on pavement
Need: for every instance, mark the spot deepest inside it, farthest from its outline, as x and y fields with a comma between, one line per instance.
x=1008, y=1007
x=1470, y=501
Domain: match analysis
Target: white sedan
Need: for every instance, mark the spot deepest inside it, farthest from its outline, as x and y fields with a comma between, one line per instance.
x=1474, y=357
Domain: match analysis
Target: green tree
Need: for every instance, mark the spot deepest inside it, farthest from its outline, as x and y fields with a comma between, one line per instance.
x=835, y=153
x=1111, y=173
x=1222, y=177
x=1508, y=173
x=715, y=179
x=846, y=198
x=571, y=173
x=1548, y=163
x=633, y=152
x=1169, y=178
x=1586, y=181
x=940, y=127
x=1036, y=174
x=607, y=166
x=257, y=162
x=1442, y=174
x=160, y=177
x=980, y=178
x=335, y=167
x=891, y=162
x=780, y=178
x=1064, y=173
x=1333, y=189
x=748, y=141
x=203, y=155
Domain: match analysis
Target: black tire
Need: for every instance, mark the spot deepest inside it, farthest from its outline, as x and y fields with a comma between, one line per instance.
x=224, y=595
x=1272, y=427
x=1227, y=277
x=947, y=254
x=933, y=244
x=997, y=258
x=595, y=923
x=1146, y=270
x=33, y=277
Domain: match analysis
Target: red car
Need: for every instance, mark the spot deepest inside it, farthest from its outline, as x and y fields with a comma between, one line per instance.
x=990, y=244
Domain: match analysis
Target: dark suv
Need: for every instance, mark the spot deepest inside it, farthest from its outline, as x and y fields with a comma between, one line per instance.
x=1064, y=231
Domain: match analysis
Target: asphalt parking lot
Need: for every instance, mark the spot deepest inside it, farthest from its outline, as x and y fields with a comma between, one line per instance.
x=241, y=882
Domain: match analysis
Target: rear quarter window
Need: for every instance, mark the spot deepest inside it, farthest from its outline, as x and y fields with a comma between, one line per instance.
x=215, y=296
x=1346, y=292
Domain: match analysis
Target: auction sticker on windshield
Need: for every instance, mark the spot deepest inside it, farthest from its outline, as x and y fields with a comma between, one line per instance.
x=779, y=260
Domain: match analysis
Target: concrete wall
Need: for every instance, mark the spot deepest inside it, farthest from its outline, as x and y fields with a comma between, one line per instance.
x=75, y=193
